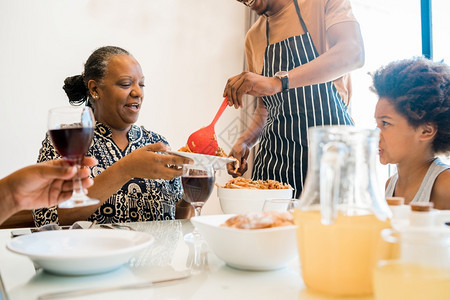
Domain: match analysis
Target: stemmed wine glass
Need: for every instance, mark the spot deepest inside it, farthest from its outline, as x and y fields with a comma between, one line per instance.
x=198, y=183
x=281, y=204
x=71, y=130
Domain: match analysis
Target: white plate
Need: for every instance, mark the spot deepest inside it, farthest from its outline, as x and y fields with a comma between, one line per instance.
x=218, y=162
x=80, y=252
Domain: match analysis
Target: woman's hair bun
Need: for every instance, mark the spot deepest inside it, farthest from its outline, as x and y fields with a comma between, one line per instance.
x=76, y=89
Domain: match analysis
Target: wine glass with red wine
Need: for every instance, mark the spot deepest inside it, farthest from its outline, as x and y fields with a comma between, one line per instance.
x=71, y=130
x=198, y=183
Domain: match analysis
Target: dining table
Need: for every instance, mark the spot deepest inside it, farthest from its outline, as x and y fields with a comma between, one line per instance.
x=169, y=256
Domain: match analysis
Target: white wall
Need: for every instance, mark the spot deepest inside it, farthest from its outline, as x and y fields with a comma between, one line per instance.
x=187, y=50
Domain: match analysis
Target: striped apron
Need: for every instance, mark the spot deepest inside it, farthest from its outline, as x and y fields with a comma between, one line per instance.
x=283, y=149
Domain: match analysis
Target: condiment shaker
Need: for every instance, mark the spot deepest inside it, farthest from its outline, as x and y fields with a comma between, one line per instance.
x=400, y=211
x=422, y=215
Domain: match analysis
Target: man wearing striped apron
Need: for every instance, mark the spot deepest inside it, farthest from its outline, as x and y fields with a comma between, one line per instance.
x=300, y=86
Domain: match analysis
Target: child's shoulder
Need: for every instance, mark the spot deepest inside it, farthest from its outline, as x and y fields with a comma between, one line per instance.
x=444, y=178
x=440, y=195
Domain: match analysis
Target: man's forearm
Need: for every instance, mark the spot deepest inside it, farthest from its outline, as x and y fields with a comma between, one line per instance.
x=346, y=54
x=253, y=132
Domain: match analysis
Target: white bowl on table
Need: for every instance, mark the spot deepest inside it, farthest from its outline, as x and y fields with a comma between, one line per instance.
x=248, y=249
x=241, y=201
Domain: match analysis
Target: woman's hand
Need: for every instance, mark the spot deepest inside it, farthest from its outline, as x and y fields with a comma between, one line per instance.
x=240, y=151
x=147, y=162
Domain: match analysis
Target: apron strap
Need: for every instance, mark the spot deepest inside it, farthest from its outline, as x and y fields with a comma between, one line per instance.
x=297, y=8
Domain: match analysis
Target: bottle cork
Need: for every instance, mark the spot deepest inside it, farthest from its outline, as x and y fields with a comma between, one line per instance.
x=400, y=211
x=395, y=201
x=421, y=206
x=422, y=214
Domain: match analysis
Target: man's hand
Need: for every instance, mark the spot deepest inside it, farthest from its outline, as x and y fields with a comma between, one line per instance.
x=240, y=151
x=251, y=84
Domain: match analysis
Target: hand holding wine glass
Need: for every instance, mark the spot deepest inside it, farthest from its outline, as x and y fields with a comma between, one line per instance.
x=71, y=130
x=198, y=183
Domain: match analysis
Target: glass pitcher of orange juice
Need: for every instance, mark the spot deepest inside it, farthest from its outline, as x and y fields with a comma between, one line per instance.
x=422, y=268
x=342, y=212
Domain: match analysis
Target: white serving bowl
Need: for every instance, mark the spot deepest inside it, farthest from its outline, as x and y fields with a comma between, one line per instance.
x=242, y=201
x=248, y=249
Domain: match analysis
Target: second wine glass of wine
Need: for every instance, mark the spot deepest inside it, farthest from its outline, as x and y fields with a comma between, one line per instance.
x=198, y=183
x=71, y=130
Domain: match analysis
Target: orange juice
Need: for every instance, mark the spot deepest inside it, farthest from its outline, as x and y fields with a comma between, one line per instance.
x=396, y=280
x=339, y=259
